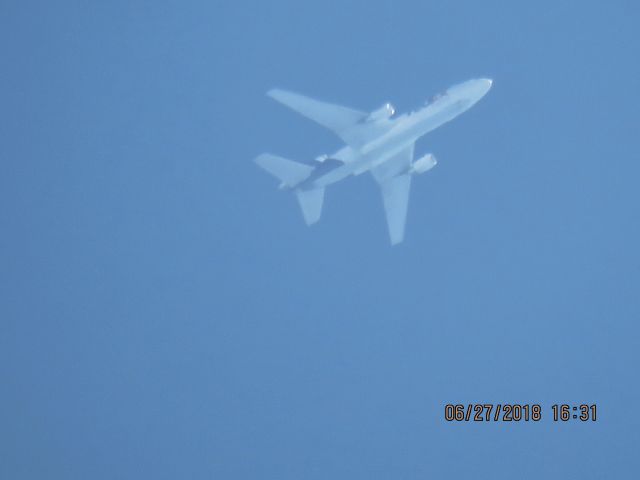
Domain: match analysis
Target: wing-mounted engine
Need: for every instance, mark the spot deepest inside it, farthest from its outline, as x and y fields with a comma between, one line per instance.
x=423, y=164
x=382, y=113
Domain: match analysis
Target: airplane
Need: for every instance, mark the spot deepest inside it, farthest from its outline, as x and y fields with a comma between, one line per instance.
x=375, y=142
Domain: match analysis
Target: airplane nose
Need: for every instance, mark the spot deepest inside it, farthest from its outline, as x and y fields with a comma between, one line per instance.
x=486, y=85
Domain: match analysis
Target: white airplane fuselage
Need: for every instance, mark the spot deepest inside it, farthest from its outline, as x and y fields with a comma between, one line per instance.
x=404, y=132
x=375, y=142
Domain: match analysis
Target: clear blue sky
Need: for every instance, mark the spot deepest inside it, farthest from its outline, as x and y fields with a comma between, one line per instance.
x=165, y=313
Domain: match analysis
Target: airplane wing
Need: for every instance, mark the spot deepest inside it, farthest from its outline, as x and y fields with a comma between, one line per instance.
x=395, y=184
x=347, y=123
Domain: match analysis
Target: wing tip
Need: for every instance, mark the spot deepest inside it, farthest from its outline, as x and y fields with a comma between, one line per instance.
x=276, y=93
x=262, y=158
x=396, y=241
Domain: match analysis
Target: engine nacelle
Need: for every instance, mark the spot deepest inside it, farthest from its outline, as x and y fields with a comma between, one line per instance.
x=384, y=112
x=423, y=164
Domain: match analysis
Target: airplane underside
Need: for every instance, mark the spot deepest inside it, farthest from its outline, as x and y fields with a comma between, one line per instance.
x=375, y=143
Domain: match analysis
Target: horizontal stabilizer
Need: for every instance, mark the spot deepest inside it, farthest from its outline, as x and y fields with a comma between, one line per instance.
x=311, y=203
x=289, y=172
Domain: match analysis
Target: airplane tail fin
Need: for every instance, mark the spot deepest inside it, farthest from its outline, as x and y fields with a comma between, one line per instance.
x=311, y=203
x=290, y=173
